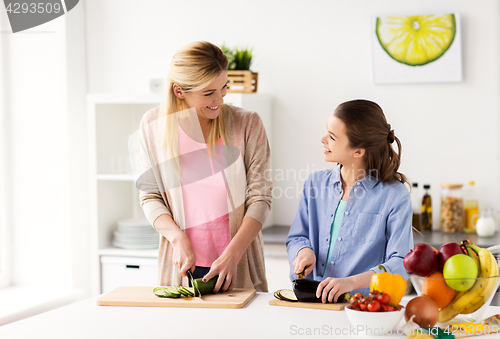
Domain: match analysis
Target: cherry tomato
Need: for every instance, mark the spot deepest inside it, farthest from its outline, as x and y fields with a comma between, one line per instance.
x=362, y=304
x=389, y=308
x=354, y=302
x=384, y=298
x=383, y=307
x=373, y=293
x=374, y=306
x=358, y=295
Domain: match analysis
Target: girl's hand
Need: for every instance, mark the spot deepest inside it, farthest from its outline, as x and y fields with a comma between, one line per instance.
x=305, y=259
x=225, y=267
x=330, y=289
x=183, y=254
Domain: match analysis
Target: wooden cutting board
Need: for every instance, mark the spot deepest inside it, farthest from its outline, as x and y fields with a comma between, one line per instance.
x=144, y=296
x=319, y=306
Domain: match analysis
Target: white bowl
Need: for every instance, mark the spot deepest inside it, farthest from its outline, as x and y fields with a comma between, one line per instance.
x=374, y=323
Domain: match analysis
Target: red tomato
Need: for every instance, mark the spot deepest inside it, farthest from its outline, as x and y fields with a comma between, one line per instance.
x=362, y=304
x=358, y=295
x=384, y=298
x=374, y=306
x=354, y=302
x=389, y=308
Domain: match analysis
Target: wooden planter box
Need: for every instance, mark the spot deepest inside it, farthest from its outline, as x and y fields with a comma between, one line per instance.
x=242, y=81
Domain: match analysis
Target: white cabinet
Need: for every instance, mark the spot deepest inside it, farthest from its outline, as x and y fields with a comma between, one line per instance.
x=113, y=195
x=131, y=271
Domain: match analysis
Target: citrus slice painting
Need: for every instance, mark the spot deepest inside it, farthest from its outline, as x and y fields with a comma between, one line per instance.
x=416, y=40
x=417, y=48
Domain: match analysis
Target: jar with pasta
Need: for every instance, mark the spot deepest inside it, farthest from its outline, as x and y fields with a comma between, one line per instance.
x=452, y=208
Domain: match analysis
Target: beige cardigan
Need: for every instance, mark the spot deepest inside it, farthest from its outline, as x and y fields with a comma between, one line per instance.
x=248, y=183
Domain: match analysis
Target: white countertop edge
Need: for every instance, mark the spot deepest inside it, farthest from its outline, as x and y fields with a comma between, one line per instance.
x=20, y=302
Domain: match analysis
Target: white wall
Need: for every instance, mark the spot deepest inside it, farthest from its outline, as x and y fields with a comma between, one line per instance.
x=44, y=84
x=311, y=56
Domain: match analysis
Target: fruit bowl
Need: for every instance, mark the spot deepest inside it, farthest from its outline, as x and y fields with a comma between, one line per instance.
x=374, y=323
x=472, y=302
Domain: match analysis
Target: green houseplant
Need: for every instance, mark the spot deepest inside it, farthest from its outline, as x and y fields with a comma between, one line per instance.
x=241, y=79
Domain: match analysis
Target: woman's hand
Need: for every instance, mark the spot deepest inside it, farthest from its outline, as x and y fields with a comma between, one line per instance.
x=225, y=267
x=305, y=259
x=183, y=255
x=330, y=289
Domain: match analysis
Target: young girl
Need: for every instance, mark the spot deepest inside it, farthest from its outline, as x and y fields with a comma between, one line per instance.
x=358, y=215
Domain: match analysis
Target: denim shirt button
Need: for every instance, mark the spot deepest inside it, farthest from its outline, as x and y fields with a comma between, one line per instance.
x=346, y=213
x=331, y=262
x=340, y=239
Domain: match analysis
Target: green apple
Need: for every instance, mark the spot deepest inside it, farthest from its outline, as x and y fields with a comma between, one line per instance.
x=457, y=267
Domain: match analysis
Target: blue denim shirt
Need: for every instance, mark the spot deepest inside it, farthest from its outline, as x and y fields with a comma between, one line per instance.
x=376, y=228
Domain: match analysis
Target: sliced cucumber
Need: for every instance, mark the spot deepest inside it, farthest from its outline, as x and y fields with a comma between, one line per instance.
x=161, y=292
x=185, y=292
x=179, y=291
x=173, y=291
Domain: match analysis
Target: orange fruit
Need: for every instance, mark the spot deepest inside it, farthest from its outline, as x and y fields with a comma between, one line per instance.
x=437, y=289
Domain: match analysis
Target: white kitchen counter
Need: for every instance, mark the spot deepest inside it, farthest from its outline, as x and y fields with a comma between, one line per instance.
x=86, y=320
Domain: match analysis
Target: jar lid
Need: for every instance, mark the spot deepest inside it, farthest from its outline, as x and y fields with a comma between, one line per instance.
x=451, y=185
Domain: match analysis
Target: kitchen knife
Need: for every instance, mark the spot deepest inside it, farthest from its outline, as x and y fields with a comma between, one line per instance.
x=190, y=277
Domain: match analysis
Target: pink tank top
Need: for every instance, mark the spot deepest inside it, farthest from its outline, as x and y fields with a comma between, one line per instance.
x=205, y=201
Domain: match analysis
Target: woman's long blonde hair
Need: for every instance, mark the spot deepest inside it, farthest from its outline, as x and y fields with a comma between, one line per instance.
x=193, y=68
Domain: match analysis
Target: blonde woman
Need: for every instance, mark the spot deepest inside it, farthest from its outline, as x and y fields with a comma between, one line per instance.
x=204, y=184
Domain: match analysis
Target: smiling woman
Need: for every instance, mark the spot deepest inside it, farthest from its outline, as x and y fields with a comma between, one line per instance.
x=204, y=176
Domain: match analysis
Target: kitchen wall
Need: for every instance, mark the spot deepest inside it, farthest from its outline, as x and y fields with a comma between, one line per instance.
x=311, y=56
x=45, y=86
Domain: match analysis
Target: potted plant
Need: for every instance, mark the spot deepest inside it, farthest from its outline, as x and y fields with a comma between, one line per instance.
x=241, y=78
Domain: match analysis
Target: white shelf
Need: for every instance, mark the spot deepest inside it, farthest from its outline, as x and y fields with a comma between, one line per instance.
x=120, y=252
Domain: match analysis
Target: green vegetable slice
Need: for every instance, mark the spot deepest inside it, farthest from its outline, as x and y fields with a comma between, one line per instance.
x=185, y=292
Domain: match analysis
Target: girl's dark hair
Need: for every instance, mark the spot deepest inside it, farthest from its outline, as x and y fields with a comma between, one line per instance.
x=367, y=128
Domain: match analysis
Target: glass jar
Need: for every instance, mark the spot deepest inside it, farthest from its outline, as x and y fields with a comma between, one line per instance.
x=452, y=208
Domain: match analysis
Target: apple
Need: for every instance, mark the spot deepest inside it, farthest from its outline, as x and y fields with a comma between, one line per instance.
x=421, y=260
x=462, y=270
x=446, y=251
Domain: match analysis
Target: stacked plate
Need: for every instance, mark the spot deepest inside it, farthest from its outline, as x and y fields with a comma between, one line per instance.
x=135, y=234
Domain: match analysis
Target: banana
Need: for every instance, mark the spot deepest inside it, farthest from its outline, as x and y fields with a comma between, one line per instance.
x=477, y=293
x=474, y=307
x=448, y=312
x=489, y=290
x=473, y=255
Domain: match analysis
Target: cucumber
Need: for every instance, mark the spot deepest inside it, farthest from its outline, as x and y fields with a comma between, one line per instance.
x=161, y=292
x=179, y=291
x=204, y=288
x=184, y=291
x=173, y=291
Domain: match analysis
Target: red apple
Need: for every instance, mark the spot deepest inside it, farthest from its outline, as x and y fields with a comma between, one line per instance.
x=446, y=251
x=421, y=260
